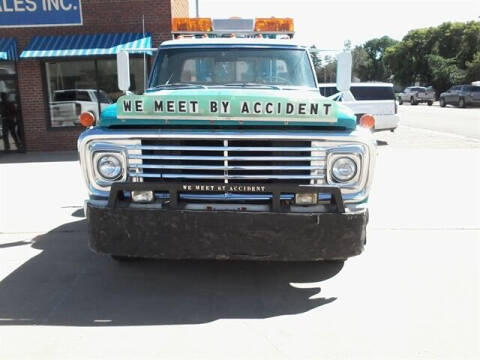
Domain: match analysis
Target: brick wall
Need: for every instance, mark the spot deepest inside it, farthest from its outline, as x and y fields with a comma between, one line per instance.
x=99, y=16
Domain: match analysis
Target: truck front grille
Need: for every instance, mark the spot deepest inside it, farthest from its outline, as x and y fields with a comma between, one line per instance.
x=227, y=161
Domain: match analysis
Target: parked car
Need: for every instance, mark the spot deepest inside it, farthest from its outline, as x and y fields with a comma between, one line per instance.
x=377, y=99
x=68, y=104
x=461, y=96
x=417, y=94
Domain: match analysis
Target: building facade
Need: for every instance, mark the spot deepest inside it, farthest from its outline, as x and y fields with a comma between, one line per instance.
x=57, y=58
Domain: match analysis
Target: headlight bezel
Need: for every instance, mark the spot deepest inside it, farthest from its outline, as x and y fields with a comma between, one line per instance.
x=354, y=153
x=338, y=177
x=99, y=150
x=97, y=159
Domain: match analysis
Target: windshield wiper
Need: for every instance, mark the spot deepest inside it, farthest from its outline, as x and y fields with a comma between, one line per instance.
x=249, y=84
x=177, y=86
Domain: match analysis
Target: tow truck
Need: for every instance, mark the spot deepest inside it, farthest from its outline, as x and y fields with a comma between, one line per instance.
x=231, y=152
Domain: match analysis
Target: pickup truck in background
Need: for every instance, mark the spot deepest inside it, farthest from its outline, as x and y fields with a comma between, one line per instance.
x=461, y=96
x=377, y=99
x=67, y=105
x=417, y=94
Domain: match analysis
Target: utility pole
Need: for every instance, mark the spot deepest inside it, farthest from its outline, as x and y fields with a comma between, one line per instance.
x=196, y=8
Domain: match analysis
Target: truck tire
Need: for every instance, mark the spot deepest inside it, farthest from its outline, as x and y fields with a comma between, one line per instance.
x=412, y=101
x=461, y=103
x=442, y=102
x=430, y=103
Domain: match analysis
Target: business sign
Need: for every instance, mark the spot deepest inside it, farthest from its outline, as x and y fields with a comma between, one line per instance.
x=29, y=13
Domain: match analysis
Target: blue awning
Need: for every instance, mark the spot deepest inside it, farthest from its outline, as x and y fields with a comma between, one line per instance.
x=8, y=49
x=85, y=45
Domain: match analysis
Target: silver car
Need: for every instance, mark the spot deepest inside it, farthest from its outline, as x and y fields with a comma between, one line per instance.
x=417, y=94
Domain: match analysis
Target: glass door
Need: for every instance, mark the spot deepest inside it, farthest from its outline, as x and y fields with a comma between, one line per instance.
x=11, y=125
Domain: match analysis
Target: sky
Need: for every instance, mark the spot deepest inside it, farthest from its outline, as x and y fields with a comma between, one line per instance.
x=328, y=23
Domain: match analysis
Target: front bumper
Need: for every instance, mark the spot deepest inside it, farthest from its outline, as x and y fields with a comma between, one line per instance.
x=173, y=232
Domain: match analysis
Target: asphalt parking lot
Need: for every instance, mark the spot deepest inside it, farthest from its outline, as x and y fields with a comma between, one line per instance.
x=413, y=293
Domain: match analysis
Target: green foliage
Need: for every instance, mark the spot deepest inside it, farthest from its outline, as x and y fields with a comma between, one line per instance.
x=440, y=56
x=317, y=61
x=473, y=68
x=375, y=49
x=368, y=60
x=445, y=72
x=328, y=72
x=362, y=64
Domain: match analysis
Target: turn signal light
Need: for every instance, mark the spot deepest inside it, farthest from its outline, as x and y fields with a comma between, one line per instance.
x=274, y=25
x=191, y=24
x=367, y=121
x=87, y=119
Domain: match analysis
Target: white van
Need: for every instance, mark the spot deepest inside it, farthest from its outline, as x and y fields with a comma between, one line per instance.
x=375, y=98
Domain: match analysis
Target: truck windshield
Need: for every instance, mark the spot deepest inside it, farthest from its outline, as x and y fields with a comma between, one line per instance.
x=232, y=67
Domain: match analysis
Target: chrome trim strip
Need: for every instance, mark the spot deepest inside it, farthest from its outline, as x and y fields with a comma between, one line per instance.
x=231, y=158
x=228, y=167
x=225, y=148
x=230, y=177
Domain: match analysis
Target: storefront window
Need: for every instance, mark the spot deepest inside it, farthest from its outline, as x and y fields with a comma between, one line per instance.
x=85, y=85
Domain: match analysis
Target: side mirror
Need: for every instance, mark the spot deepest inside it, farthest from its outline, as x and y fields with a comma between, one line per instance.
x=123, y=71
x=344, y=70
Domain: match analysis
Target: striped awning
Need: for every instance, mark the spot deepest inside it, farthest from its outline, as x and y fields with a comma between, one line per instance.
x=85, y=45
x=8, y=49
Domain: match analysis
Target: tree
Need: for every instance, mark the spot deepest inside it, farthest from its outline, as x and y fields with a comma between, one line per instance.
x=328, y=72
x=317, y=61
x=361, y=64
x=440, y=56
x=473, y=69
x=375, y=49
x=368, y=60
x=445, y=72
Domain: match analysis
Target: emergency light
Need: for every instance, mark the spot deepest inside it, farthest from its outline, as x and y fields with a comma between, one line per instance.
x=233, y=26
x=274, y=25
x=191, y=25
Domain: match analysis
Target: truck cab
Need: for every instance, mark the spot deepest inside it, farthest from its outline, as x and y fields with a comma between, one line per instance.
x=231, y=153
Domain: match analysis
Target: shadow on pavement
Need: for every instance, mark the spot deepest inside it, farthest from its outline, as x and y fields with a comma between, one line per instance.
x=33, y=157
x=66, y=284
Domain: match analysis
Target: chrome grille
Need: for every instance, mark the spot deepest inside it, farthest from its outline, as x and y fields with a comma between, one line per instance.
x=227, y=161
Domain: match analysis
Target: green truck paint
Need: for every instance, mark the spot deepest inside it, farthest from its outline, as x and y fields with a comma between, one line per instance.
x=248, y=107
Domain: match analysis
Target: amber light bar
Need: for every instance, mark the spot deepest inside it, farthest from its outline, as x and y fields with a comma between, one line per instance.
x=191, y=25
x=274, y=25
x=185, y=26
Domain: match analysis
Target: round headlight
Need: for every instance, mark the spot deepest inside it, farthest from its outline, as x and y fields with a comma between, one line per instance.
x=109, y=167
x=344, y=169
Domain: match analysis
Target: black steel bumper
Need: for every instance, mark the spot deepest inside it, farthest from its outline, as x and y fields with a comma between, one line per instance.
x=173, y=233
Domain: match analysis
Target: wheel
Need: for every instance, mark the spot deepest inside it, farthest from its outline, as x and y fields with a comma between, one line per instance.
x=461, y=103
x=412, y=101
x=430, y=103
x=442, y=102
x=400, y=101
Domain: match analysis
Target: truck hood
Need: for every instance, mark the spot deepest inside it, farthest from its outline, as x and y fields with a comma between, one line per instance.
x=228, y=107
